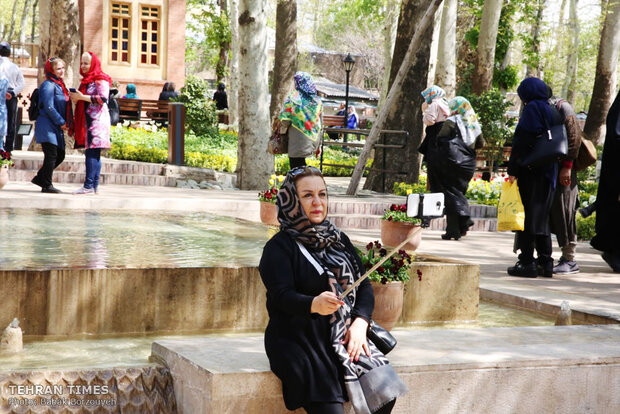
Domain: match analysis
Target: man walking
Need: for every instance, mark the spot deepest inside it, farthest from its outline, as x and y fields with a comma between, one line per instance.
x=10, y=71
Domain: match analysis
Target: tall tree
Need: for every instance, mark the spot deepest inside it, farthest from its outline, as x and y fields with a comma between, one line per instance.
x=285, y=61
x=233, y=87
x=254, y=163
x=485, y=62
x=402, y=107
x=446, y=54
x=222, y=61
x=533, y=61
x=606, y=67
x=24, y=21
x=59, y=23
x=568, y=88
x=390, y=27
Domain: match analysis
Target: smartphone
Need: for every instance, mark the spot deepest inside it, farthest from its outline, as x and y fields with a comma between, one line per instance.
x=72, y=90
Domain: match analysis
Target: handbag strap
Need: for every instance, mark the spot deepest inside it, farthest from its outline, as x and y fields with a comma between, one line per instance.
x=311, y=259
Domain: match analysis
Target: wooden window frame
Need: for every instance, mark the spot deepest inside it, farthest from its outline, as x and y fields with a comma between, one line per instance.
x=149, y=32
x=119, y=39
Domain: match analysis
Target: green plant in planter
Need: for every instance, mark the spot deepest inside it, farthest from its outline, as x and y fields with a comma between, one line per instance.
x=398, y=213
x=395, y=269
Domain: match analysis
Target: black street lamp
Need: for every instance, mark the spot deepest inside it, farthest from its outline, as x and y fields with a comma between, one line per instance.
x=348, y=63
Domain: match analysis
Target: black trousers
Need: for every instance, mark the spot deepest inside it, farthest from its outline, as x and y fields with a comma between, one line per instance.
x=297, y=162
x=338, y=408
x=53, y=157
x=527, y=243
x=11, y=124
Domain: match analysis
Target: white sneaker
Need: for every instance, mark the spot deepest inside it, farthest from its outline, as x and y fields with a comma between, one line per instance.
x=83, y=190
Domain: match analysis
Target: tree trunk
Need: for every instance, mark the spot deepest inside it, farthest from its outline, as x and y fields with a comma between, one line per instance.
x=285, y=61
x=402, y=105
x=535, y=69
x=9, y=36
x=222, y=61
x=389, y=37
x=233, y=87
x=254, y=163
x=483, y=74
x=605, y=80
x=446, y=54
x=568, y=88
x=24, y=22
x=35, y=16
x=59, y=22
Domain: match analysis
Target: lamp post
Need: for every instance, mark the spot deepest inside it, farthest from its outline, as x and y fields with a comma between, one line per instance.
x=348, y=63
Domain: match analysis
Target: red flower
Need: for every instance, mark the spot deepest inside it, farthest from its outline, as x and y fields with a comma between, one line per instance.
x=382, y=252
x=381, y=269
x=389, y=218
x=369, y=246
x=377, y=244
x=274, y=191
x=268, y=196
x=479, y=175
x=506, y=179
x=419, y=272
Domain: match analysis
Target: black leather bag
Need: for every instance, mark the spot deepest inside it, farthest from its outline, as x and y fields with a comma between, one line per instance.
x=383, y=340
x=549, y=147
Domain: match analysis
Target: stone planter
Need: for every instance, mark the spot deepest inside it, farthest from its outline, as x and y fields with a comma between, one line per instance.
x=269, y=214
x=388, y=303
x=4, y=175
x=394, y=232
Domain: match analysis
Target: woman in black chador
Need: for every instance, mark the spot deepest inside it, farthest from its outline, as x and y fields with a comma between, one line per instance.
x=316, y=343
x=607, y=237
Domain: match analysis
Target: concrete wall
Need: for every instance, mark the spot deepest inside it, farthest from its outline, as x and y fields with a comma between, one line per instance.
x=108, y=301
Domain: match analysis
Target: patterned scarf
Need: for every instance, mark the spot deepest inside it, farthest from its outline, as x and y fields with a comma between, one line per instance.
x=466, y=119
x=94, y=74
x=324, y=245
x=303, y=107
x=434, y=92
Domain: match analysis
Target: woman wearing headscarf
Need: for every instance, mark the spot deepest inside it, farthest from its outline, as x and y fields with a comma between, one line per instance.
x=92, y=118
x=607, y=238
x=434, y=112
x=352, y=118
x=316, y=344
x=301, y=119
x=536, y=184
x=131, y=92
x=454, y=164
x=55, y=117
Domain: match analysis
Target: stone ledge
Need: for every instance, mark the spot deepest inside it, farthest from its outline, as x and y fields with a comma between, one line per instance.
x=570, y=369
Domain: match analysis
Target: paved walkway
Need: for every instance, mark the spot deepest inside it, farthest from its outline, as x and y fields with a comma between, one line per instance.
x=595, y=289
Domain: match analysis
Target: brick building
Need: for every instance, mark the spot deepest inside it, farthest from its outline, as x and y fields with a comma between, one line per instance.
x=137, y=41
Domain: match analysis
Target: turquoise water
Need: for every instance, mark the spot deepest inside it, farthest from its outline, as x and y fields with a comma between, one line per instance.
x=56, y=238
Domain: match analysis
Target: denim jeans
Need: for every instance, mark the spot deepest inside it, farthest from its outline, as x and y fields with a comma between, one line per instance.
x=93, y=168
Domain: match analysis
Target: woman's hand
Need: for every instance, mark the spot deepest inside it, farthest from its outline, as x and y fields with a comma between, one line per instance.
x=355, y=339
x=78, y=96
x=64, y=127
x=564, y=177
x=511, y=179
x=326, y=303
x=424, y=107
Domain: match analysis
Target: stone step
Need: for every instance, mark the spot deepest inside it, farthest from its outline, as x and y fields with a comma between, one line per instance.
x=107, y=166
x=373, y=222
x=105, y=178
x=378, y=208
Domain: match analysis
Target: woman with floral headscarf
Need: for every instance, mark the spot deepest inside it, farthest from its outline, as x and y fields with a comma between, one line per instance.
x=315, y=342
x=536, y=184
x=453, y=164
x=301, y=119
x=55, y=117
x=92, y=118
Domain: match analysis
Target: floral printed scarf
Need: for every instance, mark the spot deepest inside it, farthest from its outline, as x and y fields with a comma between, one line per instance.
x=303, y=107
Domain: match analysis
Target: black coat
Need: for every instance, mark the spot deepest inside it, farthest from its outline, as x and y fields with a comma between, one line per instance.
x=451, y=165
x=536, y=185
x=607, y=237
x=298, y=342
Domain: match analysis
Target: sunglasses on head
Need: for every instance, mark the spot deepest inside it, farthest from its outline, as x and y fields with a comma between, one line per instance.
x=299, y=170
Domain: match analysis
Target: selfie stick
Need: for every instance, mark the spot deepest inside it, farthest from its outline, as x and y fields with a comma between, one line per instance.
x=379, y=263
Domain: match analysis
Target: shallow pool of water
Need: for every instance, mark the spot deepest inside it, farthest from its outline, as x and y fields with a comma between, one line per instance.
x=135, y=351
x=56, y=238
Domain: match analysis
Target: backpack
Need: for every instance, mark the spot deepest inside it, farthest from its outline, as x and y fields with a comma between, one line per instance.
x=33, y=109
x=114, y=110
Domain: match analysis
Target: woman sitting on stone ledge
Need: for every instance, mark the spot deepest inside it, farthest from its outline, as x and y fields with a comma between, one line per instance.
x=316, y=343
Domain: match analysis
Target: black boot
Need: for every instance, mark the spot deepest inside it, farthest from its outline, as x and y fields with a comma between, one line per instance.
x=587, y=211
x=544, y=267
x=523, y=270
x=452, y=227
x=464, y=224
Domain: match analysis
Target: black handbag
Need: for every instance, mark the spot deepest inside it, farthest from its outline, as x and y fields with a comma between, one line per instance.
x=548, y=147
x=383, y=340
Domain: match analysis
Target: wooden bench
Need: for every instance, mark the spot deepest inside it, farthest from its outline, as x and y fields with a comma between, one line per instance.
x=333, y=120
x=143, y=110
